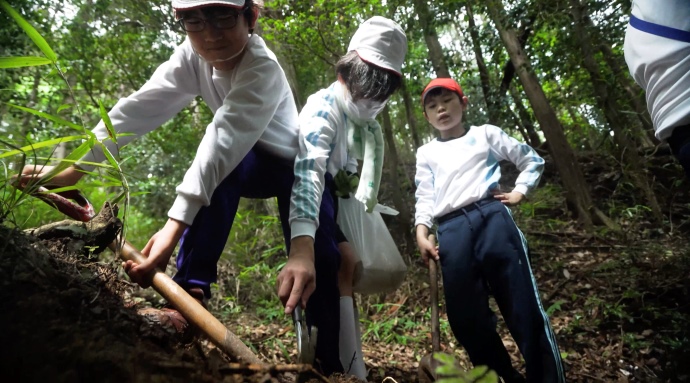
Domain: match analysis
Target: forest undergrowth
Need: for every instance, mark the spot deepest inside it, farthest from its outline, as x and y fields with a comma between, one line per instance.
x=618, y=303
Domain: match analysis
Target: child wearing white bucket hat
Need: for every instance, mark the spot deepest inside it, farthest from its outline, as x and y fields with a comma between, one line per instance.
x=248, y=150
x=337, y=127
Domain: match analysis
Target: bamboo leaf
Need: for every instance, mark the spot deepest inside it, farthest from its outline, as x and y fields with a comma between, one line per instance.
x=63, y=107
x=107, y=122
x=81, y=151
x=23, y=61
x=62, y=189
x=31, y=31
x=38, y=145
x=119, y=197
x=50, y=117
x=111, y=159
x=89, y=163
x=116, y=184
x=75, y=155
x=111, y=179
x=94, y=164
x=113, y=162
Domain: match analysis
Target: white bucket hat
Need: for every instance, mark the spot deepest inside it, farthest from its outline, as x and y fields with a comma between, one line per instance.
x=382, y=42
x=187, y=4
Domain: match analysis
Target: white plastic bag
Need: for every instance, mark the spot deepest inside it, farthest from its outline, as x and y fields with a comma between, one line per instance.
x=383, y=268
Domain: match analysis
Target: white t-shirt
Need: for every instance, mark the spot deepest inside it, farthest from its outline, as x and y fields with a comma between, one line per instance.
x=453, y=174
x=252, y=105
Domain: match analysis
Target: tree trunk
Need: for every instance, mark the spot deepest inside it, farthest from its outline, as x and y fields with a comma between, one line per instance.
x=520, y=127
x=633, y=165
x=526, y=120
x=409, y=114
x=636, y=97
x=391, y=163
x=577, y=192
x=481, y=67
x=590, y=138
x=431, y=38
x=509, y=68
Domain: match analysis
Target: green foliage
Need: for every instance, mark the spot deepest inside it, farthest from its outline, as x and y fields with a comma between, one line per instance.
x=449, y=372
x=31, y=32
x=18, y=62
x=253, y=256
x=556, y=306
x=543, y=209
x=382, y=325
x=107, y=50
x=635, y=341
x=10, y=200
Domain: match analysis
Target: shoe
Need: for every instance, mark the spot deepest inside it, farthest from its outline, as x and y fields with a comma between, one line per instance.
x=168, y=317
x=198, y=294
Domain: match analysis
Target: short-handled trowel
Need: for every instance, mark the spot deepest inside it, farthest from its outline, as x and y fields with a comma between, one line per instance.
x=306, y=342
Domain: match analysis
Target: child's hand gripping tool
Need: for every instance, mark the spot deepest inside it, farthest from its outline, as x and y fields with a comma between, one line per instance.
x=306, y=343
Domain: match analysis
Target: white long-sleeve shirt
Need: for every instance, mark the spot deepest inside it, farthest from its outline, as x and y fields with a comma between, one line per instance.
x=323, y=148
x=252, y=105
x=454, y=173
x=660, y=64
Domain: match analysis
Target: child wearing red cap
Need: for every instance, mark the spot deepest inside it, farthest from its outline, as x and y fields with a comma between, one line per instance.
x=480, y=248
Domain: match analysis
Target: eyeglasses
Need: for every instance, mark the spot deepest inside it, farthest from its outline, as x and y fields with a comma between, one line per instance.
x=197, y=24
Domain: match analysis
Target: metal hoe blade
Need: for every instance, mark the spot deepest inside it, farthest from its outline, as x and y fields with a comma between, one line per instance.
x=306, y=343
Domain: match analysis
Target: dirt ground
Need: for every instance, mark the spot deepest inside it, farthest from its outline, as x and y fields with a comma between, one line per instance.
x=67, y=317
x=619, y=307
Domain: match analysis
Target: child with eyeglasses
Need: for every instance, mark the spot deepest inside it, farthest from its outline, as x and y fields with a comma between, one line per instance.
x=248, y=150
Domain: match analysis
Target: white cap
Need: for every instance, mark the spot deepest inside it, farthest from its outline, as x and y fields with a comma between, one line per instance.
x=381, y=42
x=187, y=4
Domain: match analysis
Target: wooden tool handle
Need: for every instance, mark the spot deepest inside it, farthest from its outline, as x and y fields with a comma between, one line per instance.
x=433, y=292
x=190, y=308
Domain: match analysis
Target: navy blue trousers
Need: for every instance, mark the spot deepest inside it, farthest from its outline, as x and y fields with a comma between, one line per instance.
x=680, y=145
x=483, y=252
x=263, y=176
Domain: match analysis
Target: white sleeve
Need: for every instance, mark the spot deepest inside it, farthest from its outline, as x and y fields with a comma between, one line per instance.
x=236, y=127
x=352, y=166
x=526, y=159
x=424, y=195
x=171, y=87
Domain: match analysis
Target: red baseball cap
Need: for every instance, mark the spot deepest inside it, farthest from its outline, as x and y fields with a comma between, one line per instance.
x=446, y=83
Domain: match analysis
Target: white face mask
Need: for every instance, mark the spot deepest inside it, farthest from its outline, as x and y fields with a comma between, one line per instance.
x=362, y=109
x=370, y=108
